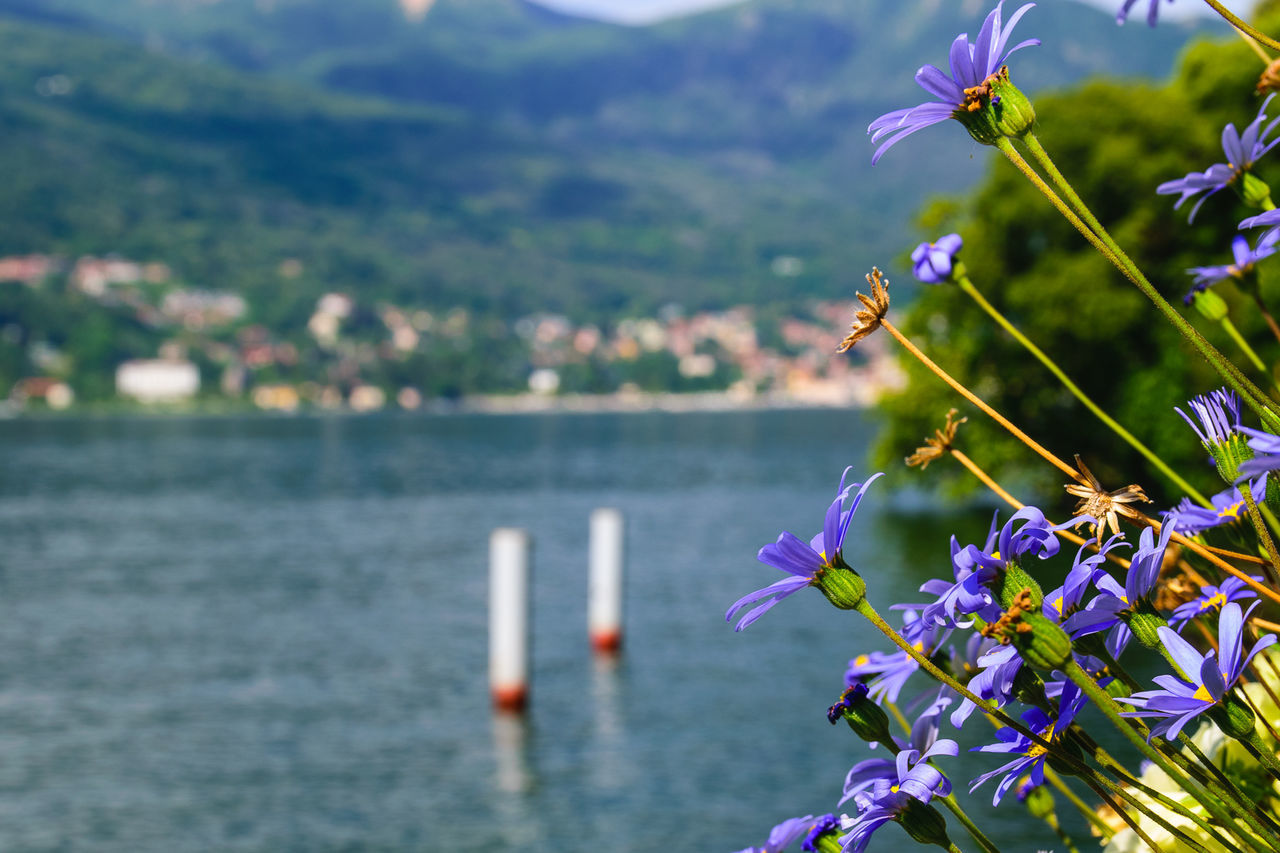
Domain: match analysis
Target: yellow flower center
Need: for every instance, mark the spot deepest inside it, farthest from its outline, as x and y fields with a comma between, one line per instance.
x=1232, y=511
x=861, y=660
x=1057, y=605
x=1202, y=693
x=1036, y=749
x=1216, y=600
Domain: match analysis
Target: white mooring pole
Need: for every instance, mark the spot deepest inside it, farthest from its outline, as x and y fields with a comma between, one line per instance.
x=509, y=621
x=604, y=589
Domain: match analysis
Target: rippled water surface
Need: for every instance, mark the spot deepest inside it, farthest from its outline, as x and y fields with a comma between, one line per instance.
x=268, y=635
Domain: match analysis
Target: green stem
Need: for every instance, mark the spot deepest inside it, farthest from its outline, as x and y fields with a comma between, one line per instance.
x=864, y=607
x=952, y=848
x=1264, y=535
x=1090, y=814
x=1220, y=784
x=972, y=828
x=1052, y=820
x=968, y=287
x=1098, y=237
x=1234, y=333
x=1109, y=707
x=1102, y=792
x=1240, y=25
x=1109, y=763
x=1266, y=755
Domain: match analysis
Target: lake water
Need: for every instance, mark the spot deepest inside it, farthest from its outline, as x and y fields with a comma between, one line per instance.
x=257, y=634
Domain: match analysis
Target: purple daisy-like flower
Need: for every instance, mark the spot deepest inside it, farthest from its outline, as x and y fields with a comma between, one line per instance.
x=1212, y=598
x=1153, y=11
x=1027, y=532
x=1266, y=448
x=1110, y=609
x=932, y=263
x=924, y=746
x=1063, y=602
x=1217, y=416
x=1245, y=258
x=1208, y=676
x=1241, y=150
x=1190, y=519
x=803, y=562
x=993, y=683
x=824, y=824
x=914, y=781
x=1031, y=756
x=889, y=671
x=971, y=64
x=781, y=836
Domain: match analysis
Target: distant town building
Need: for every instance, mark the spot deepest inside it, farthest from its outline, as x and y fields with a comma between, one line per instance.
x=367, y=398
x=28, y=269
x=157, y=380
x=55, y=393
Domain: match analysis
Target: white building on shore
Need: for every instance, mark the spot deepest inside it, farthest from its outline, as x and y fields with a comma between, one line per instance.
x=158, y=380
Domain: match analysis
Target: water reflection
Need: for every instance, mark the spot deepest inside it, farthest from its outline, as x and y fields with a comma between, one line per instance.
x=607, y=767
x=511, y=753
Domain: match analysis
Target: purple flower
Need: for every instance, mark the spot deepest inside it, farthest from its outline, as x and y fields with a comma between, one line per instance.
x=803, y=562
x=1267, y=448
x=1217, y=414
x=782, y=835
x=994, y=681
x=932, y=262
x=1189, y=518
x=1027, y=532
x=1064, y=601
x=1031, y=756
x=971, y=64
x=924, y=746
x=1153, y=11
x=823, y=825
x=1241, y=151
x=1111, y=609
x=1206, y=277
x=1212, y=598
x=890, y=671
x=913, y=781
x=1208, y=677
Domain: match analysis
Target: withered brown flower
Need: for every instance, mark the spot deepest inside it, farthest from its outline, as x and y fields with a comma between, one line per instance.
x=875, y=307
x=1103, y=505
x=939, y=445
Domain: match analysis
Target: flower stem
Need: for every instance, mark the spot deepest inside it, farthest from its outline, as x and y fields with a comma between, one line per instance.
x=1262, y=309
x=1264, y=535
x=972, y=828
x=1242, y=26
x=1109, y=707
x=977, y=401
x=968, y=287
x=1234, y=333
x=1090, y=814
x=1098, y=237
x=1052, y=820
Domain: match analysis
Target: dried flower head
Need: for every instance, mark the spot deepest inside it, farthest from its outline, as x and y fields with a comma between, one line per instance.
x=1103, y=505
x=1270, y=79
x=939, y=445
x=1175, y=588
x=875, y=307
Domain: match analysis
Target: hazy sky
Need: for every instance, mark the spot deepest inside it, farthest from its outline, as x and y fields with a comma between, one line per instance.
x=642, y=11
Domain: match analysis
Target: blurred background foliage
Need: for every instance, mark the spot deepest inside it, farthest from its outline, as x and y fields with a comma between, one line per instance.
x=1115, y=141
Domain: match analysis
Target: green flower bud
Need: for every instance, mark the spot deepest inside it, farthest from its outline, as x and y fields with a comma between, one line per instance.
x=1234, y=717
x=1028, y=688
x=996, y=109
x=1014, y=114
x=923, y=823
x=1254, y=191
x=1042, y=644
x=1144, y=621
x=867, y=719
x=1210, y=305
x=842, y=586
x=1229, y=454
x=1014, y=583
x=828, y=842
x=1039, y=801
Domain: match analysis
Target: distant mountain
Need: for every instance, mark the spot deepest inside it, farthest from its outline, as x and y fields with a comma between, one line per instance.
x=494, y=153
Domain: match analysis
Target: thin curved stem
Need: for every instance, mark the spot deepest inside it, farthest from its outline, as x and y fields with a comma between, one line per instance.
x=1098, y=237
x=977, y=401
x=966, y=284
x=972, y=828
x=1264, y=535
x=1242, y=26
x=1087, y=811
x=1249, y=352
